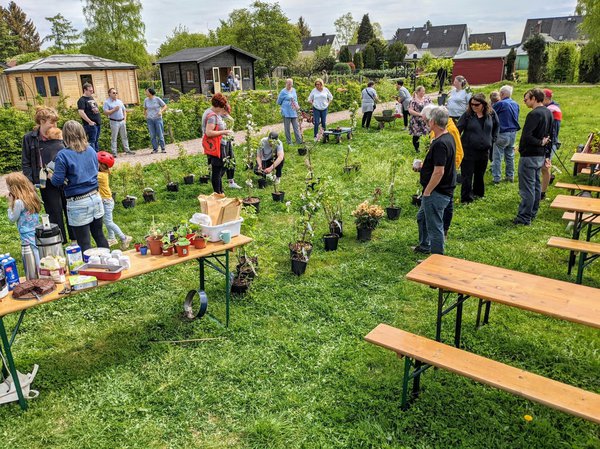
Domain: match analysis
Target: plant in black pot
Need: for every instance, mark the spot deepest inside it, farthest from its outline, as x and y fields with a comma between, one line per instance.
x=332, y=207
x=348, y=167
x=171, y=186
x=277, y=194
x=140, y=182
x=183, y=160
x=366, y=217
x=250, y=200
x=124, y=176
x=301, y=249
x=393, y=211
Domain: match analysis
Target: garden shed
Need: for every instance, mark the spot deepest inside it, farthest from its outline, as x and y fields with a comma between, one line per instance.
x=64, y=75
x=481, y=67
x=205, y=70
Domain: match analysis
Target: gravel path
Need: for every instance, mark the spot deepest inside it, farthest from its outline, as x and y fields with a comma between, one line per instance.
x=194, y=146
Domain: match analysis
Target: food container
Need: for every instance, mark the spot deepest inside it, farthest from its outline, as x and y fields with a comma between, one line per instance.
x=100, y=252
x=81, y=282
x=101, y=272
x=74, y=257
x=213, y=232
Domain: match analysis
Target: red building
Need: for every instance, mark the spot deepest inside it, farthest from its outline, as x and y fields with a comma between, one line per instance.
x=481, y=67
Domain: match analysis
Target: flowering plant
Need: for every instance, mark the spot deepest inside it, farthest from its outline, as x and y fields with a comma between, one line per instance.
x=367, y=216
x=273, y=178
x=310, y=205
x=353, y=112
x=229, y=123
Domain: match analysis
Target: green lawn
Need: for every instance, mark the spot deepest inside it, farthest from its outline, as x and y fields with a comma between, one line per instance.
x=292, y=370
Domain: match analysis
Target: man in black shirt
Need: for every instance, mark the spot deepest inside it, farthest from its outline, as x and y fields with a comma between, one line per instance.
x=90, y=115
x=532, y=148
x=438, y=178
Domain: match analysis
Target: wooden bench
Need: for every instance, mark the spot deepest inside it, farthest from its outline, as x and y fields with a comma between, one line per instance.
x=579, y=187
x=465, y=279
x=588, y=252
x=422, y=353
x=570, y=216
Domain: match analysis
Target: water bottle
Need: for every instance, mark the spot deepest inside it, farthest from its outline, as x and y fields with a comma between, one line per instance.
x=10, y=271
x=29, y=264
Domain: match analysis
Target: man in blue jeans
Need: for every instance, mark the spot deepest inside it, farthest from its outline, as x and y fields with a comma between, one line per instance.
x=532, y=148
x=508, y=115
x=438, y=178
x=90, y=115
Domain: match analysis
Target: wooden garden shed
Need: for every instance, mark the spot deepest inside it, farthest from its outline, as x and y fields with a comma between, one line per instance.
x=481, y=67
x=205, y=70
x=65, y=75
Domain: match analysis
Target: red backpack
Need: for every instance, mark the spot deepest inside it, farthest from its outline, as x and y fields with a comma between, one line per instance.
x=212, y=145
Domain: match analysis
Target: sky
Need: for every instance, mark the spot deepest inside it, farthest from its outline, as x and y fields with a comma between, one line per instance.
x=162, y=16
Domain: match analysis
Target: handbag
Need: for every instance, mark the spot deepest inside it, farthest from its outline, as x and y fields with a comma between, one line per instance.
x=212, y=145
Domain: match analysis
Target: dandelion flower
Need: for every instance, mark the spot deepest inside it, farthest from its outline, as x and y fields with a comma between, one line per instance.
x=528, y=418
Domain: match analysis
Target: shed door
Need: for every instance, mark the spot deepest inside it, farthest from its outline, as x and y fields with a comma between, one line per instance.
x=121, y=81
x=237, y=72
x=216, y=79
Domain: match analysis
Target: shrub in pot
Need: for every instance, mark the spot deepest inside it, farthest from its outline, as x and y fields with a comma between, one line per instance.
x=203, y=179
x=392, y=211
x=331, y=241
x=250, y=200
x=182, y=245
x=188, y=179
x=366, y=217
x=154, y=239
x=173, y=187
x=277, y=194
x=129, y=202
x=149, y=195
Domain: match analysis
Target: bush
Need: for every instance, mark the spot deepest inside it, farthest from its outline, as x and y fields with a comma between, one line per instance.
x=342, y=68
x=563, y=62
x=14, y=124
x=589, y=65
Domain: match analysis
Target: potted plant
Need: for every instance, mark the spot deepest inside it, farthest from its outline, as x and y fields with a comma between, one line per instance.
x=262, y=182
x=199, y=239
x=167, y=245
x=182, y=245
x=251, y=200
x=299, y=262
x=366, y=217
x=301, y=249
x=245, y=273
x=347, y=166
x=392, y=211
x=124, y=174
x=332, y=207
x=140, y=182
x=183, y=160
x=149, y=194
x=204, y=178
x=277, y=195
x=171, y=186
x=331, y=241
x=154, y=239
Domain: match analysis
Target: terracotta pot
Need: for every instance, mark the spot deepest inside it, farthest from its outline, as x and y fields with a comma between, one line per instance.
x=182, y=251
x=155, y=246
x=168, y=251
x=137, y=247
x=199, y=243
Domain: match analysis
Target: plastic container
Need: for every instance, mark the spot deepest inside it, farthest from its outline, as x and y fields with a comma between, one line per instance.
x=213, y=231
x=100, y=271
x=10, y=271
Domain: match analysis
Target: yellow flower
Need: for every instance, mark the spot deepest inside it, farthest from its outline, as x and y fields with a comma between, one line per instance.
x=528, y=418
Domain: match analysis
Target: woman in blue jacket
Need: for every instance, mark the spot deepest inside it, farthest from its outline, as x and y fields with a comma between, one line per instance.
x=288, y=100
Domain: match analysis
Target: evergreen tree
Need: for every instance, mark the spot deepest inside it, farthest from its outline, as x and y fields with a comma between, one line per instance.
x=396, y=52
x=8, y=43
x=510, y=64
x=365, y=31
x=370, y=59
x=62, y=33
x=589, y=65
x=21, y=28
x=535, y=47
x=379, y=50
x=115, y=31
x=344, y=55
x=358, y=60
x=303, y=28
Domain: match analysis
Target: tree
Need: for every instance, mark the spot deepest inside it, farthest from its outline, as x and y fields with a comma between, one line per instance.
x=344, y=55
x=535, y=47
x=358, y=60
x=378, y=31
x=62, y=33
x=476, y=46
x=370, y=60
x=345, y=28
x=590, y=9
x=365, y=31
x=396, y=52
x=303, y=28
x=564, y=63
x=21, y=28
x=181, y=39
x=264, y=30
x=589, y=65
x=510, y=64
x=323, y=59
x=8, y=42
x=115, y=31
x=379, y=50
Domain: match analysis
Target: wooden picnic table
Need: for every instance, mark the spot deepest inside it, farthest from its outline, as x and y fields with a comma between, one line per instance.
x=592, y=159
x=215, y=255
x=558, y=299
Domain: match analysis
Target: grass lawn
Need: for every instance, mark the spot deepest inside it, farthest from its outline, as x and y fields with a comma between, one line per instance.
x=292, y=370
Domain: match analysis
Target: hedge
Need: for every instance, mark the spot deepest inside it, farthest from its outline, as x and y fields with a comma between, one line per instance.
x=182, y=118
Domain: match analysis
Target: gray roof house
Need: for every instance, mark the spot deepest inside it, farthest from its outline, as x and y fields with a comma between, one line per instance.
x=310, y=44
x=555, y=29
x=444, y=41
x=495, y=40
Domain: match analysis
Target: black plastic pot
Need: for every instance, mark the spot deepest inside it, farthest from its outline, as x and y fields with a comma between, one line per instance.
x=128, y=203
x=262, y=183
x=393, y=213
x=189, y=179
x=172, y=187
x=363, y=234
x=204, y=179
x=299, y=266
x=302, y=151
x=278, y=196
x=348, y=170
x=331, y=241
x=239, y=286
x=252, y=201
x=149, y=197
x=416, y=200
x=294, y=252
x=336, y=227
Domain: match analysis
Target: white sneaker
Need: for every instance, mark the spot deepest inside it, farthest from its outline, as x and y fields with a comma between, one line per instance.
x=125, y=242
x=112, y=242
x=233, y=185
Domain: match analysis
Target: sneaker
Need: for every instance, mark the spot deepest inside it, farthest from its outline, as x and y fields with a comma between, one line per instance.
x=233, y=185
x=509, y=179
x=496, y=183
x=154, y=151
x=114, y=155
x=112, y=242
x=125, y=242
x=129, y=152
x=543, y=196
x=420, y=250
x=163, y=150
x=516, y=221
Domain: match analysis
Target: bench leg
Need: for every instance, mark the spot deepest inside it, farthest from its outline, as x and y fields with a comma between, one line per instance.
x=405, y=380
x=486, y=315
x=458, y=324
x=11, y=365
x=440, y=314
x=419, y=368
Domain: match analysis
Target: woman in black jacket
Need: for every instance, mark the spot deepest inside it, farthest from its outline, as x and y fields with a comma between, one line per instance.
x=479, y=128
x=39, y=149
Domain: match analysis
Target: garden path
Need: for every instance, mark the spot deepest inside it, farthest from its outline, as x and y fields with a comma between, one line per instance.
x=194, y=146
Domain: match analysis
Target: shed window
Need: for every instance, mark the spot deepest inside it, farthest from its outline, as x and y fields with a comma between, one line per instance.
x=85, y=79
x=40, y=86
x=53, y=85
x=208, y=75
x=172, y=77
x=20, y=87
x=189, y=77
x=246, y=73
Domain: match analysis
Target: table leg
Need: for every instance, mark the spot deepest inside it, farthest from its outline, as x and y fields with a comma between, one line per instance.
x=11, y=365
x=227, y=289
x=458, y=324
x=202, y=278
x=576, y=232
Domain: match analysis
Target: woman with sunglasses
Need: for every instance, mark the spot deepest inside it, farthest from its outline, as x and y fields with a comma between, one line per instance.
x=479, y=128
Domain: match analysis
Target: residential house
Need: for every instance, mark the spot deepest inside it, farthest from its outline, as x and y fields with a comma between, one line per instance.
x=555, y=29
x=494, y=40
x=444, y=41
x=310, y=44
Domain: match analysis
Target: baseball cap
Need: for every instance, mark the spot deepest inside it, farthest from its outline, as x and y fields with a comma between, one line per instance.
x=273, y=135
x=548, y=93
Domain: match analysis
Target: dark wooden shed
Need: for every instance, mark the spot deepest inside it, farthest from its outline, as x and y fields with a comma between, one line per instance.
x=205, y=70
